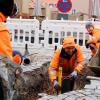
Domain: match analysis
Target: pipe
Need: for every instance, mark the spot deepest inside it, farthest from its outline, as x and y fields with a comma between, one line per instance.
x=26, y=61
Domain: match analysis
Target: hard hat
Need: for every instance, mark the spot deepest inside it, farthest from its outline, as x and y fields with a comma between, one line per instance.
x=89, y=24
x=68, y=42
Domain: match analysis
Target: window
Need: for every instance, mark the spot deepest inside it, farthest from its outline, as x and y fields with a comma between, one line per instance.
x=56, y=34
x=50, y=41
x=21, y=38
x=50, y=34
x=81, y=35
x=32, y=39
x=41, y=38
x=61, y=41
x=80, y=42
x=15, y=38
x=32, y=32
x=26, y=38
x=74, y=34
x=56, y=40
x=27, y=33
x=75, y=40
x=86, y=41
x=21, y=31
x=62, y=34
x=68, y=33
x=15, y=31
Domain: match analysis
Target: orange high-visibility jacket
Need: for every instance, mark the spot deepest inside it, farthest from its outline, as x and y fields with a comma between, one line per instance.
x=96, y=33
x=5, y=44
x=75, y=62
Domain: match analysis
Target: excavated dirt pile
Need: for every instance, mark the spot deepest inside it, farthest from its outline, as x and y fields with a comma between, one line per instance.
x=27, y=84
x=31, y=83
x=24, y=82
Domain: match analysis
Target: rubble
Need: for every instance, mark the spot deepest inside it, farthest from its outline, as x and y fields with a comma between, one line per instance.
x=33, y=80
x=29, y=80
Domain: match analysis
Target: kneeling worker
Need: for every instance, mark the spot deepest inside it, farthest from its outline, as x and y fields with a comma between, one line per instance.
x=70, y=58
x=7, y=8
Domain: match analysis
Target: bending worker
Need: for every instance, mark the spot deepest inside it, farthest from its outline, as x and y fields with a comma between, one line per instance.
x=6, y=9
x=70, y=58
x=94, y=32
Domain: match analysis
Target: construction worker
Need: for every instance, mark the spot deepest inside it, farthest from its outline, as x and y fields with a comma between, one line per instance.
x=94, y=32
x=6, y=9
x=94, y=61
x=17, y=56
x=93, y=45
x=70, y=58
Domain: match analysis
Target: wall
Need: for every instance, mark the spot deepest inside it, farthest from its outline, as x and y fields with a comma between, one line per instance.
x=79, y=5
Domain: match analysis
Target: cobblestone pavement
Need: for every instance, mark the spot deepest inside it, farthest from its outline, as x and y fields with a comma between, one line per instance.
x=90, y=92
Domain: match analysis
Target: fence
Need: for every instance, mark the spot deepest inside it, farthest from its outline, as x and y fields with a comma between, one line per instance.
x=47, y=34
x=24, y=31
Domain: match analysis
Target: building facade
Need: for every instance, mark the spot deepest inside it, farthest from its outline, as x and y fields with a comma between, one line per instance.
x=49, y=9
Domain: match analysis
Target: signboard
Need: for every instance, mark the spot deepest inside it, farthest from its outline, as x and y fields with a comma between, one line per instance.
x=64, y=6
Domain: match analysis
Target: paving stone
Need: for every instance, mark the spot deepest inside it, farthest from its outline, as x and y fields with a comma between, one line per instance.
x=95, y=82
x=90, y=87
x=80, y=98
x=47, y=97
x=91, y=97
x=97, y=92
x=88, y=93
x=68, y=94
x=98, y=98
x=72, y=97
x=60, y=97
x=89, y=90
x=73, y=92
x=98, y=87
x=80, y=91
x=79, y=95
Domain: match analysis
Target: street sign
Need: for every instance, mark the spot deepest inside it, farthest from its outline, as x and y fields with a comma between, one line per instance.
x=64, y=6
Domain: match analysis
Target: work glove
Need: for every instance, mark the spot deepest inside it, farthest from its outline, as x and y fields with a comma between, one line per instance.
x=74, y=74
x=56, y=85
